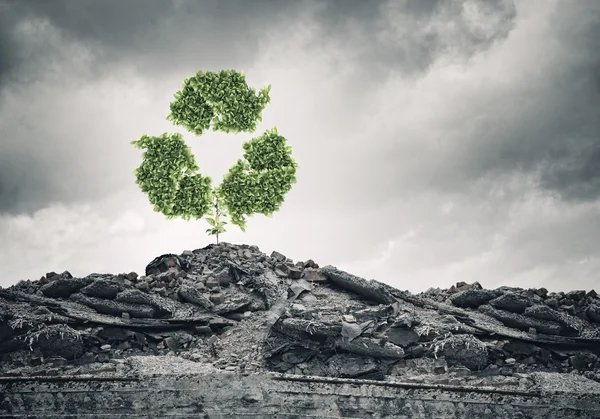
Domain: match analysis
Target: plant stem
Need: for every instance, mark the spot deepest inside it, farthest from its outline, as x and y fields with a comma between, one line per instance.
x=217, y=213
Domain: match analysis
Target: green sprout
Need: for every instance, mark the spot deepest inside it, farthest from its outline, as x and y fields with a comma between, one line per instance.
x=255, y=185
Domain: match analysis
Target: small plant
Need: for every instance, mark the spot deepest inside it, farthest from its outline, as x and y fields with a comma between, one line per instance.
x=255, y=185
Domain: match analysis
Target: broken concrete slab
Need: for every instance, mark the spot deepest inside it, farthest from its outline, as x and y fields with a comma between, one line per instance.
x=371, y=290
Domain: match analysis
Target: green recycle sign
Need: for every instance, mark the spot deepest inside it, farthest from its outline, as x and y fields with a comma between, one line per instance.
x=256, y=184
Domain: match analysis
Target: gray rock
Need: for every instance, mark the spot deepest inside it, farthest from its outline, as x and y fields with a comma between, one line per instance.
x=295, y=327
x=543, y=312
x=195, y=296
x=114, y=308
x=57, y=339
x=402, y=337
x=64, y=287
x=165, y=262
x=135, y=296
x=143, y=286
x=465, y=350
x=115, y=334
x=294, y=273
x=102, y=288
x=311, y=264
x=521, y=348
x=575, y=295
x=583, y=360
x=233, y=302
x=593, y=312
x=372, y=290
x=512, y=302
x=223, y=277
x=278, y=256
x=522, y=322
x=370, y=347
x=416, y=351
x=351, y=366
x=217, y=298
x=472, y=298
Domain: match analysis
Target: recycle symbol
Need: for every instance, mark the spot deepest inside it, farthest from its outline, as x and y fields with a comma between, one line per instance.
x=256, y=184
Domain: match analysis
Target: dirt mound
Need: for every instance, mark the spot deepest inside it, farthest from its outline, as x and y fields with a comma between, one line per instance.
x=233, y=307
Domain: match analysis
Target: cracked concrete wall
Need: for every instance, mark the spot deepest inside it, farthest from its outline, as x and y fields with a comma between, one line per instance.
x=224, y=396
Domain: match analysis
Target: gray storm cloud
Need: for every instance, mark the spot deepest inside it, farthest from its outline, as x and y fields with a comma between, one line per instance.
x=50, y=47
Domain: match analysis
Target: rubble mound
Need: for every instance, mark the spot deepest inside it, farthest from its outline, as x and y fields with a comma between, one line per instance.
x=235, y=308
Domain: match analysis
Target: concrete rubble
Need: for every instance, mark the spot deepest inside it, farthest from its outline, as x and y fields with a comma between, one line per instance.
x=233, y=308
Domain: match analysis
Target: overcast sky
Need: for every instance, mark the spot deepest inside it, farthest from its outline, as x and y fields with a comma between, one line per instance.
x=437, y=140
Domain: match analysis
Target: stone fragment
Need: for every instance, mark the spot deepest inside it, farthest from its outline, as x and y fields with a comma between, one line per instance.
x=465, y=350
x=314, y=275
x=372, y=290
x=103, y=357
x=168, y=276
x=294, y=273
x=402, y=337
x=223, y=277
x=575, y=295
x=231, y=302
x=115, y=334
x=203, y=330
x=351, y=366
x=520, y=348
x=57, y=340
x=294, y=326
x=138, y=297
x=593, y=312
x=512, y=302
x=543, y=312
x=416, y=351
x=440, y=366
x=472, y=298
x=212, y=282
x=267, y=286
x=311, y=264
x=370, y=347
x=522, y=322
x=583, y=360
x=217, y=298
x=278, y=256
x=351, y=331
x=195, y=296
x=165, y=262
x=64, y=287
x=102, y=288
x=114, y=308
x=143, y=286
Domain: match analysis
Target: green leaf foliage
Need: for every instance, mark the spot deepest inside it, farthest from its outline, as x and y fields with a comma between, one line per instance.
x=259, y=183
x=166, y=175
x=222, y=98
x=255, y=185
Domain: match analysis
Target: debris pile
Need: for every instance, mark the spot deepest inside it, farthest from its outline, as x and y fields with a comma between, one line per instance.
x=237, y=309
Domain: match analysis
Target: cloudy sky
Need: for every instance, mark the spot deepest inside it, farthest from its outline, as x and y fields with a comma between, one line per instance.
x=438, y=140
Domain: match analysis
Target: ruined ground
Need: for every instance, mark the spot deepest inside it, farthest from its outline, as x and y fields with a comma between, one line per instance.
x=233, y=308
